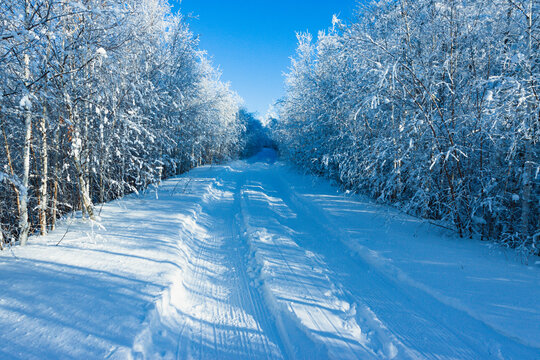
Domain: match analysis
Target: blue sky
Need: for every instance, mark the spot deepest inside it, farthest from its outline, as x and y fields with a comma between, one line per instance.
x=252, y=41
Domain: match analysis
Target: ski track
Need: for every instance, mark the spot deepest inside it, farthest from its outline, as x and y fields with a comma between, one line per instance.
x=265, y=270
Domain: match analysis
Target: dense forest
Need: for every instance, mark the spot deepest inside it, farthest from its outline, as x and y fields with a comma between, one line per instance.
x=100, y=99
x=432, y=106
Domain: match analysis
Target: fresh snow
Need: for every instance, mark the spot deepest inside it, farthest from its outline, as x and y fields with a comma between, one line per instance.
x=251, y=260
x=101, y=52
x=25, y=103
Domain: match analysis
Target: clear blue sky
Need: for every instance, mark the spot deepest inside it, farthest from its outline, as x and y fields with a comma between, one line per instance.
x=252, y=41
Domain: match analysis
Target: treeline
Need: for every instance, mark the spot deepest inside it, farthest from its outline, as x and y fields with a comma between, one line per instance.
x=429, y=105
x=100, y=98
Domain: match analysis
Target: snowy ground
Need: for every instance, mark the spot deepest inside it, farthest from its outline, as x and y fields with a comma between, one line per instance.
x=251, y=261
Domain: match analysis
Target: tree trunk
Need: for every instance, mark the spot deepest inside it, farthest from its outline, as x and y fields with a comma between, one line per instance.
x=76, y=151
x=23, y=217
x=83, y=189
x=54, y=205
x=84, y=192
x=45, y=173
x=10, y=165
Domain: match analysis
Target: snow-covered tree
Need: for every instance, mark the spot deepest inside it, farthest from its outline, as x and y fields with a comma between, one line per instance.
x=99, y=99
x=431, y=105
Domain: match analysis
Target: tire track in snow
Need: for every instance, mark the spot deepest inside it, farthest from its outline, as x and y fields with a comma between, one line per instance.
x=287, y=330
x=222, y=316
x=416, y=323
x=251, y=296
x=312, y=303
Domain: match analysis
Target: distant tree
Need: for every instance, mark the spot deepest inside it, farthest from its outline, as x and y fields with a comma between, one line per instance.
x=254, y=135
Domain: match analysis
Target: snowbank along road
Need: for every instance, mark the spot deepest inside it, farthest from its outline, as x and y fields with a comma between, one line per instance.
x=250, y=260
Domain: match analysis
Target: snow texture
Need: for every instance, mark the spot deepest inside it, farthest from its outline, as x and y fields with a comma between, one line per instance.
x=25, y=103
x=251, y=260
x=101, y=52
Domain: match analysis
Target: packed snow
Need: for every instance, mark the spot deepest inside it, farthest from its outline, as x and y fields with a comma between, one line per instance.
x=252, y=260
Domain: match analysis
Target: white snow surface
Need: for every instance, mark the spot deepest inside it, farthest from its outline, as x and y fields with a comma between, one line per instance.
x=25, y=103
x=251, y=260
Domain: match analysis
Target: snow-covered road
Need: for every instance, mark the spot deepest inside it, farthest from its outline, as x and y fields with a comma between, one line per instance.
x=251, y=260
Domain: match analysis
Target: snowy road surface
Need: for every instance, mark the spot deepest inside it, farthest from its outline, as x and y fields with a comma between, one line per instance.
x=250, y=260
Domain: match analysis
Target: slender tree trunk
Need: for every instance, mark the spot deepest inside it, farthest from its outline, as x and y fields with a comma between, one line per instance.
x=10, y=165
x=45, y=173
x=76, y=151
x=101, y=167
x=23, y=218
x=83, y=189
x=86, y=159
x=84, y=193
x=54, y=204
